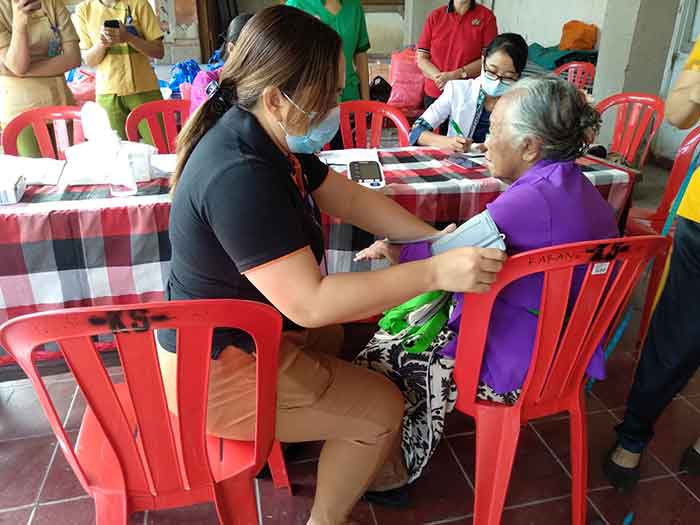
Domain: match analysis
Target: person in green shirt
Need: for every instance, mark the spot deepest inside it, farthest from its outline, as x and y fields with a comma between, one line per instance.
x=347, y=17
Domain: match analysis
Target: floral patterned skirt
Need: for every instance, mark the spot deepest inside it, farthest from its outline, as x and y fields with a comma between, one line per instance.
x=425, y=380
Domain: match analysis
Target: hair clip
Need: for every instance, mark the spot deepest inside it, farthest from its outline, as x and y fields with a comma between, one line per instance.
x=212, y=88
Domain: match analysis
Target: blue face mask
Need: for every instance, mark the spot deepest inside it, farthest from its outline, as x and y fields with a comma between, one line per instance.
x=317, y=136
x=493, y=87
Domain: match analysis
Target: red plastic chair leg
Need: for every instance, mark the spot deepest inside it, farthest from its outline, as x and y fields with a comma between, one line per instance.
x=497, y=434
x=111, y=509
x=579, y=461
x=235, y=501
x=278, y=468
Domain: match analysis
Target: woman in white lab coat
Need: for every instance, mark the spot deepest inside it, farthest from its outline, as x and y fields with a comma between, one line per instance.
x=468, y=103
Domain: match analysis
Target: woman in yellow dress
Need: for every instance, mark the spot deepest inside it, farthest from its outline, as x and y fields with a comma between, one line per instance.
x=38, y=44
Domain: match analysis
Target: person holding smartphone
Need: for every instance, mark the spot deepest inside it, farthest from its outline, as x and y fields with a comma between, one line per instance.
x=119, y=37
x=38, y=44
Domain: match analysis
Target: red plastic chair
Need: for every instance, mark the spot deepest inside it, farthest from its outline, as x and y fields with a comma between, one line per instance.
x=638, y=118
x=565, y=342
x=379, y=111
x=165, y=119
x=647, y=221
x=580, y=74
x=132, y=454
x=53, y=140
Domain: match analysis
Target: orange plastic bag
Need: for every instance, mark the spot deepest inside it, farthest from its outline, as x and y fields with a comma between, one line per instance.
x=578, y=35
x=406, y=80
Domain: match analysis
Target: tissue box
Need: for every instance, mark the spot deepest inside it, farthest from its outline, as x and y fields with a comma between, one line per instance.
x=89, y=163
x=12, y=189
x=136, y=159
x=96, y=162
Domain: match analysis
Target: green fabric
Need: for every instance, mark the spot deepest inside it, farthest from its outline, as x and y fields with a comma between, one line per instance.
x=27, y=145
x=120, y=50
x=416, y=338
x=350, y=24
x=118, y=108
x=552, y=57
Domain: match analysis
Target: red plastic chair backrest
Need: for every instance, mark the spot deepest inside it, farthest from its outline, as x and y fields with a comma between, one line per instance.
x=580, y=74
x=638, y=118
x=46, y=122
x=379, y=111
x=160, y=470
x=165, y=119
x=681, y=164
x=566, y=336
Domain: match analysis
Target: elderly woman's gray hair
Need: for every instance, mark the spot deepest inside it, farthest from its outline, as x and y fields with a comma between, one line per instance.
x=556, y=113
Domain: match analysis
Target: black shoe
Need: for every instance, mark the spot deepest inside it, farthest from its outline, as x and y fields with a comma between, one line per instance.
x=397, y=497
x=690, y=461
x=622, y=478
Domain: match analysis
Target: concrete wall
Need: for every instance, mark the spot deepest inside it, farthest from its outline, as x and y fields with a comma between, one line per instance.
x=251, y=6
x=386, y=30
x=416, y=13
x=541, y=21
x=633, y=55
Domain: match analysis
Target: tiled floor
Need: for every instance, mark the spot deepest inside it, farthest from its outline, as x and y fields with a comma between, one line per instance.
x=38, y=487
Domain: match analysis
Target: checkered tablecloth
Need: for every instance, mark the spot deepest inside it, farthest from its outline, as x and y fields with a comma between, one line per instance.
x=78, y=246
x=438, y=191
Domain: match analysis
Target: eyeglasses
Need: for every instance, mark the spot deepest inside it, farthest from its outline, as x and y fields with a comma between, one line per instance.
x=309, y=114
x=508, y=81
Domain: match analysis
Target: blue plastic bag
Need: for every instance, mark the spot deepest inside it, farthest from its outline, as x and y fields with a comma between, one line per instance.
x=215, y=61
x=184, y=71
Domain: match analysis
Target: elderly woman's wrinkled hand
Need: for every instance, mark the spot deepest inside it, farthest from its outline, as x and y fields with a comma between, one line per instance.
x=380, y=250
x=391, y=252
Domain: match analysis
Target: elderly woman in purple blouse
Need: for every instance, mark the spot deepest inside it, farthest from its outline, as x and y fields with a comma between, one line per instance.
x=538, y=130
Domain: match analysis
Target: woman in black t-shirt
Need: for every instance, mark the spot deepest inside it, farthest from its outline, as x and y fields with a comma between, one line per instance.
x=244, y=224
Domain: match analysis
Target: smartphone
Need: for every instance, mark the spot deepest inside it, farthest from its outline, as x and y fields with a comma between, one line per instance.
x=367, y=172
x=112, y=24
x=462, y=159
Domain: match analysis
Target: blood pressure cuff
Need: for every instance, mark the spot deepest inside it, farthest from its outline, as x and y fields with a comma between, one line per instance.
x=479, y=231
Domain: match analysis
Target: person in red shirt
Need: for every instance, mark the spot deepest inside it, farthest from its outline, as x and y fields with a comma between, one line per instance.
x=451, y=43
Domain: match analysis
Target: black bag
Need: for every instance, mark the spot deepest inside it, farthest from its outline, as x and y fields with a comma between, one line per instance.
x=379, y=89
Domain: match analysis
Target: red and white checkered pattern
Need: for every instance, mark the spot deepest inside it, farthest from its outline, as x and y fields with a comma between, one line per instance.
x=74, y=247
x=438, y=191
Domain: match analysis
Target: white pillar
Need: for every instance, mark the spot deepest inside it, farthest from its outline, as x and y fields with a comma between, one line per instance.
x=416, y=11
x=633, y=49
